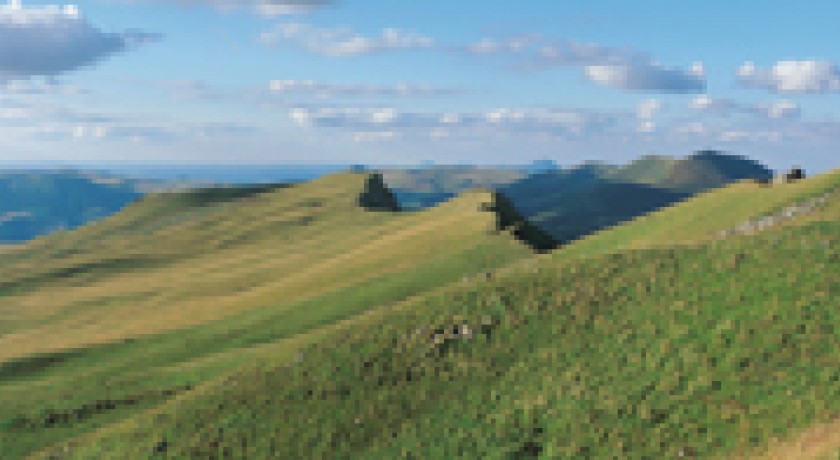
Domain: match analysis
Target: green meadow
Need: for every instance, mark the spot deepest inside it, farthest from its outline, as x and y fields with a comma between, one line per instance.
x=295, y=322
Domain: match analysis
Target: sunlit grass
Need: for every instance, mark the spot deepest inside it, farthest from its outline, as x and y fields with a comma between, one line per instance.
x=272, y=339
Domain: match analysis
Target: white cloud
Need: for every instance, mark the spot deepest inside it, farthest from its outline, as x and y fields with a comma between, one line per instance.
x=751, y=136
x=649, y=108
x=792, y=76
x=726, y=107
x=310, y=87
x=559, y=123
x=374, y=136
x=51, y=40
x=284, y=7
x=608, y=66
x=511, y=45
x=268, y=8
x=694, y=127
x=642, y=75
x=647, y=127
x=342, y=41
x=35, y=115
x=782, y=109
x=33, y=87
x=541, y=53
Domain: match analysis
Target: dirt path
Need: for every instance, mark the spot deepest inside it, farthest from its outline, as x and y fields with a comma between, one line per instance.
x=818, y=442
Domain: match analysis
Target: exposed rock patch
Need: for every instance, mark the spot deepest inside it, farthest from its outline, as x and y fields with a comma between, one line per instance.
x=786, y=214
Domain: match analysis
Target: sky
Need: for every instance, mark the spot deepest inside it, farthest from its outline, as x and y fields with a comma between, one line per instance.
x=398, y=82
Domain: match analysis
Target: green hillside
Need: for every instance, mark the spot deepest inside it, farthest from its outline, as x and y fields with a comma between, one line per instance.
x=649, y=169
x=421, y=188
x=299, y=323
x=571, y=203
x=703, y=216
x=106, y=321
x=710, y=350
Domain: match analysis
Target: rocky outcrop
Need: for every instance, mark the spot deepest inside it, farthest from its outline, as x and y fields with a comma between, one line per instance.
x=786, y=214
x=377, y=196
x=509, y=218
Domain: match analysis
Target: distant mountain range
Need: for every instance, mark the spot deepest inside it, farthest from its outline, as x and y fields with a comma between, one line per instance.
x=566, y=203
x=34, y=203
x=571, y=203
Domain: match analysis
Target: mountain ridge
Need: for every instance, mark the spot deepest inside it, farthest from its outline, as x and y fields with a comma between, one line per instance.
x=368, y=330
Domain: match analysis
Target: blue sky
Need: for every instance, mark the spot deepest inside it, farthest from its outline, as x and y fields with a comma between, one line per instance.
x=402, y=82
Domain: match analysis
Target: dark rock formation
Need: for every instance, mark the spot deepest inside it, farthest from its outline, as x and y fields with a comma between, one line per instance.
x=377, y=196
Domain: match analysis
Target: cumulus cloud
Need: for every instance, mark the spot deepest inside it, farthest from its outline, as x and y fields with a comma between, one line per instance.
x=607, y=66
x=342, y=41
x=643, y=75
x=783, y=109
x=47, y=41
x=792, y=77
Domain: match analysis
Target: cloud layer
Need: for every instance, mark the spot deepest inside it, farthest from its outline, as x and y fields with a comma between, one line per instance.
x=607, y=66
x=47, y=41
x=324, y=90
x=337, y=42
x=783, y=109
x=390, y=123
x=792, y=77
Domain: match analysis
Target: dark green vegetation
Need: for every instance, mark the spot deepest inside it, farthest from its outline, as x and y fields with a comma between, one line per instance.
x=33, y=203
x=425, y=187
x=569, y=204
x=354, y=334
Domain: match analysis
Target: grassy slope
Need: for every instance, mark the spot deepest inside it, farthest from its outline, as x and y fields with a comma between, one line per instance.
x=649, y=169
x=572, y=203
x=702, y=216
x=129, y=312
x=540, y=349
x=706, y=350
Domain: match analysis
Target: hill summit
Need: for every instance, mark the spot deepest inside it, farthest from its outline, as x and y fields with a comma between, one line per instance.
x=571, y=203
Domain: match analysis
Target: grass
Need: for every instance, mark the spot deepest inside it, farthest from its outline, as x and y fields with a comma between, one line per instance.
x=74, y=334
x=354, y=336
x=701, y=217
x=708, y=351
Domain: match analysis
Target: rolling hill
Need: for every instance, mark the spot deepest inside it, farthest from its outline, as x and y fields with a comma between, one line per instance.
x=422, y=188
x=569, y=204
x=652, y=339
x=672, y=351
x=104, y=321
